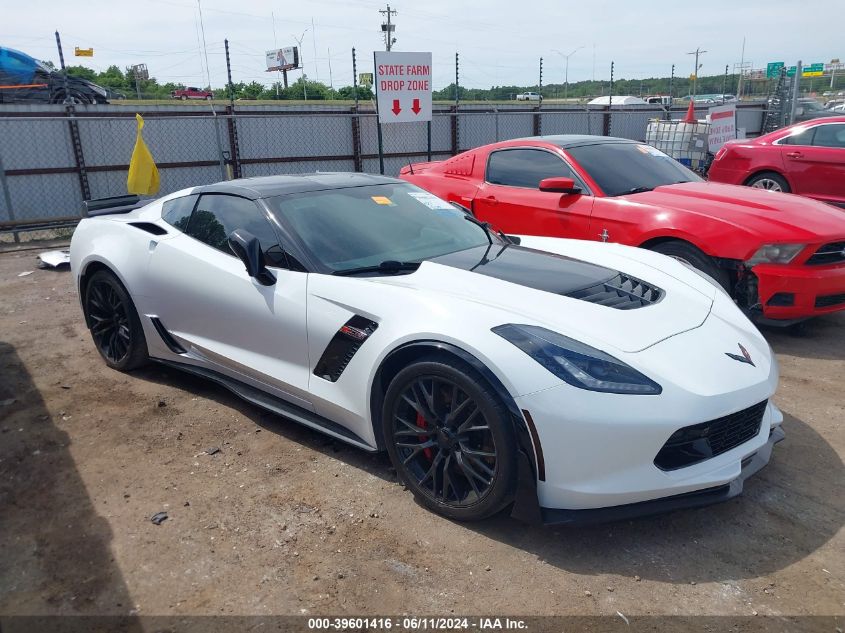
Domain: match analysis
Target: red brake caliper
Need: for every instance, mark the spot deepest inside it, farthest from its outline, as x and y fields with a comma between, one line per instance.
x=421, y=423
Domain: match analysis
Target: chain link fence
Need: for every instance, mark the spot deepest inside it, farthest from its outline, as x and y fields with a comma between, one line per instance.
x=52, y=158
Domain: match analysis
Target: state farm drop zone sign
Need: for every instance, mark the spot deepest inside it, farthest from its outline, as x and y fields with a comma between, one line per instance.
x=403, y=86
x=393, y=71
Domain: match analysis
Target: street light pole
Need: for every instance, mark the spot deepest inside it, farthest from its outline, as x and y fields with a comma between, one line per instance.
x=566, y=71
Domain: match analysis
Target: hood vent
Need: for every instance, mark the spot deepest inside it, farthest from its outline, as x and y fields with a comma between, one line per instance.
x=621, y=292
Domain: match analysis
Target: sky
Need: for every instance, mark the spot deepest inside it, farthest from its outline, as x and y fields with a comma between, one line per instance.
x=500, y=43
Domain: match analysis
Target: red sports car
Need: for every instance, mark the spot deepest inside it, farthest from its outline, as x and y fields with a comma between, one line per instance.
x=781, y=257
x=807, y=158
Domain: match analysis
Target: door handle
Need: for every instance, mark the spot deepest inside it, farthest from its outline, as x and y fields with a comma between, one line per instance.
x=794, y=155
x=491, y=200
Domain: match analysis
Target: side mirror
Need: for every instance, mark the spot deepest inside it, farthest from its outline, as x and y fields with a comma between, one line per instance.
x=246, y=246
x=559, y=185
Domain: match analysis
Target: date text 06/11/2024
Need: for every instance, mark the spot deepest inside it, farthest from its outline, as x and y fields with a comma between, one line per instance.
x=407, y=623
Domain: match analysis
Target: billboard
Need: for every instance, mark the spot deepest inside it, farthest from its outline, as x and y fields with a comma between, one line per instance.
x=283, y=58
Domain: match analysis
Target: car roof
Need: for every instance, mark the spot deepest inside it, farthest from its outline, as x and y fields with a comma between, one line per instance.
x=565, y=141
x=270, y=186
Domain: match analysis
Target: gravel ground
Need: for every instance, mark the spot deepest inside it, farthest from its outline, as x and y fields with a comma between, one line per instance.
x=283, y=521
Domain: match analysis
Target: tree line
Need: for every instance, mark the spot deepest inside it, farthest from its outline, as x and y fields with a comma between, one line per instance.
x=123, y=81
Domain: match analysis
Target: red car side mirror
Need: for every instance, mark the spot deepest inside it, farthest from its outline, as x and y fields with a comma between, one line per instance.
x=559, y=185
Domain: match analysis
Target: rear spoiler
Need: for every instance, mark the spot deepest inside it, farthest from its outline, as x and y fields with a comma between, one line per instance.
x=113, y=205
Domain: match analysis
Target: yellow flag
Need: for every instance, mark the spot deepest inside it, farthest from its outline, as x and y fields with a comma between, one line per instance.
x=143, y=173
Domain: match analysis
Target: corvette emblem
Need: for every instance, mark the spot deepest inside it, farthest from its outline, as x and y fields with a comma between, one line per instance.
x=745, y=358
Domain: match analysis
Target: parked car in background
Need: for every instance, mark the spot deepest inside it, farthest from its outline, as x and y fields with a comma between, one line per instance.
x=191, y=93
x=780, y=257
x=529, y=96
x=664, y=100
x=808, y=108
x=24, y=79
x=115, y=95
x=806, y=158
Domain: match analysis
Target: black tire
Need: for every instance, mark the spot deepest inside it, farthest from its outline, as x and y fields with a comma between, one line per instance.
x=209, y=98
x=184, y=98
x=689, y=254
x=473, y=440
x=769, y=181
x=77, y=98
x=114, y=323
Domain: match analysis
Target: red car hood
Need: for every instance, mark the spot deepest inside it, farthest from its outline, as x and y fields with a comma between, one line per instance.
x=773, y=216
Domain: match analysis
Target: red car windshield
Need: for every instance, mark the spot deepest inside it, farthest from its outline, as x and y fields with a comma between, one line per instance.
x=624, y=168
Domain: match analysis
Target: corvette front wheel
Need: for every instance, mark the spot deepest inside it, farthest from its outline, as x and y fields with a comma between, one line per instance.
x=114, y=323
x=450, y=439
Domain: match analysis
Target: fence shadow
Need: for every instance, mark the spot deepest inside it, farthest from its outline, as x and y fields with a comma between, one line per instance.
x=55, y=549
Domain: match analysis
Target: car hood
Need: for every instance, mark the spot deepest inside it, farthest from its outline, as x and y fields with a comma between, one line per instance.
x=526, y=285
x=768, y=215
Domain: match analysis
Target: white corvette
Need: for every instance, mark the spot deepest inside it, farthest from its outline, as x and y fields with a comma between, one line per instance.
x=570, y=380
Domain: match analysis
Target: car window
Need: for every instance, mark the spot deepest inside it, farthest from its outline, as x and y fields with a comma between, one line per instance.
x=177, y=211
x=217, y=215
x=832, y=135
x=525, y=167
x=804, y=137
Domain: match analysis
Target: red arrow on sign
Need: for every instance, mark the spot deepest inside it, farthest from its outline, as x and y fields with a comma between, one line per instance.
x=416, y=107
x=396, y=108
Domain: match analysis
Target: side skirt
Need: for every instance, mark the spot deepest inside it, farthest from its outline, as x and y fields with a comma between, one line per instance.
x=275, y=405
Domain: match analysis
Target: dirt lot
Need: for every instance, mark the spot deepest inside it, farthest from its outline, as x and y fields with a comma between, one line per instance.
x=284, y=521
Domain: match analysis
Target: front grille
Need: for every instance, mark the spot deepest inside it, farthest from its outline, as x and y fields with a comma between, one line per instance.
x=693, y=444
x=833, y=253
x=622, y=292
x=828, y=301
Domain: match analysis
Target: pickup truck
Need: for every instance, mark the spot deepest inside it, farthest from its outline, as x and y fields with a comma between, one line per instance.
x=529, y=96
x=191, y=93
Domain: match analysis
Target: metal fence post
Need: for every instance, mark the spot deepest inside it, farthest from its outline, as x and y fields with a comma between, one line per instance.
x=354, y=117
x=453, y=113
x=7, y=197
x=78, y=155
x=234, y=145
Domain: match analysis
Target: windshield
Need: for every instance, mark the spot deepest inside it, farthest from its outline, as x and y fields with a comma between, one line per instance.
x=350, y=228
x=620, y=168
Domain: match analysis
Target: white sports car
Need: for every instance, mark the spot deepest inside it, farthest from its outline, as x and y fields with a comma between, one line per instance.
x=568, y=380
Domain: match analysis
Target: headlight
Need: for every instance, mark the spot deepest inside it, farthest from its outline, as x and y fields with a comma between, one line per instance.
x=775, y=254
x=580, y=365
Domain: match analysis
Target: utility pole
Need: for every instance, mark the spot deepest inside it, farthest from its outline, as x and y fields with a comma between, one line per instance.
x=696, y=52
x=388, y=28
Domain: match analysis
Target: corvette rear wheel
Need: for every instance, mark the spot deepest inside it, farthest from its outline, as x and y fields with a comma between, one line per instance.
x=695, y=257
x=450, y=439
x=114, y=323
x=769, y=181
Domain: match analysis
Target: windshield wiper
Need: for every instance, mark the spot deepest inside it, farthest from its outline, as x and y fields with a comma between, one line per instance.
x=484, y=225
x=389, y=267
x=639, y=190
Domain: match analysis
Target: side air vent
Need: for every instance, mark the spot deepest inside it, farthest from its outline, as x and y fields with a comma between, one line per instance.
x=167, y=337
x=149, y=227
x=343, y=346
x=622, y=292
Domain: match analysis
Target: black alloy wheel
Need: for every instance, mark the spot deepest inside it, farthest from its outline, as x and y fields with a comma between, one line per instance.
x=114, y=323
x=451, y=440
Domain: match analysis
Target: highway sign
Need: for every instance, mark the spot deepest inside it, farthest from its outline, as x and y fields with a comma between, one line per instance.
x=773, y=69
x=790, y=72
x=403, y=86
x=365, y=79
x=813, y=70
x=83, y=52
